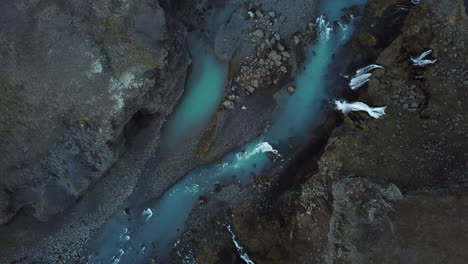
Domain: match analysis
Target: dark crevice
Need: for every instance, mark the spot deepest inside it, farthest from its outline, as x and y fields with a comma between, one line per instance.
x=140, y=120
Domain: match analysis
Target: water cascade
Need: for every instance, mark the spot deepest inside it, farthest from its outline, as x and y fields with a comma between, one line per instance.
x=242, y=253
x=345, y=108
x=420, y=61
x=362, y=76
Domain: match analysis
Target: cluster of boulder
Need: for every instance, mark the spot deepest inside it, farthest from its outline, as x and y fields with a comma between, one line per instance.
x=269, y=64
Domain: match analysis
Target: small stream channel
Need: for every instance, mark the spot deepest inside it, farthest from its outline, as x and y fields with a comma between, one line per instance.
x=125, y=239
x=205, y=88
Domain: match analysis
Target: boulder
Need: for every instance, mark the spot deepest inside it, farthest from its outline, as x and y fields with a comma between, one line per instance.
x=258, y=33
x=250, y=89
x=228, y=104
x=274, y=56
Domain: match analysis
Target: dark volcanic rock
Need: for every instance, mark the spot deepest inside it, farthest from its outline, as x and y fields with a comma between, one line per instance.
x=77, y=80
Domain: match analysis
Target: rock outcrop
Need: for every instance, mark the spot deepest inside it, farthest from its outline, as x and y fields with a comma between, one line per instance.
x=77, y=80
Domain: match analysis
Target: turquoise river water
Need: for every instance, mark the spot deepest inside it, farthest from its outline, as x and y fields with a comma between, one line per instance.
x=159, y=225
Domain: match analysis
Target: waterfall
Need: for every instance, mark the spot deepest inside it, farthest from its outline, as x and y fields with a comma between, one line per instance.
x=421, y=62
x=240, y=249
x=362, y=76
x=359, y=80
x=346, y=108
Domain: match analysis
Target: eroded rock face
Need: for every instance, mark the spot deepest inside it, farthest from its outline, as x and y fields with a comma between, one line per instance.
x=360, y=210
x=72, y=75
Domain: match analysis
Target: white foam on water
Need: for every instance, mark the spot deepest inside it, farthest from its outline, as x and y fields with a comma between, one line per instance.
x=124, y=234
x=148, y=213
x=344, y=30
x=324, y=28
x=346, y=108
x=362, y=76
x=420, y=61
x=116, y=259
x=242, y=253
x=261, y=147
x=193, y=189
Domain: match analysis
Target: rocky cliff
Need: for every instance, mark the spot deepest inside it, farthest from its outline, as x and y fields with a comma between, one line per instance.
x=78, y=80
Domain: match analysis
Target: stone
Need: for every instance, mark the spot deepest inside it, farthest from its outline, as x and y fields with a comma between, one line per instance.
x=290, y=90
x=231, y=97
x=277, y=36
x=255, y=83
x=286, y=54
x=271, y=155
x=280, y=47
x=272, y=14
x=296, y=40
x=250, y=89
x=273, y=55
x=228, y=104
x=346, y=18
x=258, y=33
x=259, y=13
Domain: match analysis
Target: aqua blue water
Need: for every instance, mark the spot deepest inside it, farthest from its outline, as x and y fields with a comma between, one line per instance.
x=294, y=120
x=333, y=9
x=204, y=89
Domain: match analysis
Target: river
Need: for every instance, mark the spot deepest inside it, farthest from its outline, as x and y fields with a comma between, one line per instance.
x=125, y=239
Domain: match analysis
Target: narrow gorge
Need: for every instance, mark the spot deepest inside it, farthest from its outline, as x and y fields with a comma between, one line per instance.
x=233, y=131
